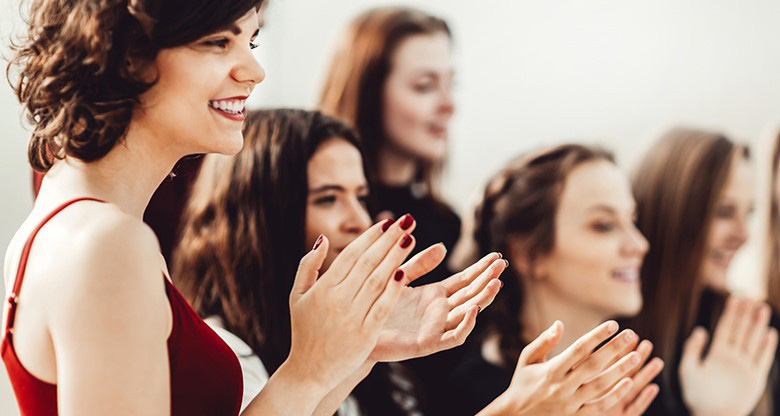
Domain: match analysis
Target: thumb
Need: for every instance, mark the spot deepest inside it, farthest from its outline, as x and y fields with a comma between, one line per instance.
x=309, y=268
x=693, y=349
x=537, y=350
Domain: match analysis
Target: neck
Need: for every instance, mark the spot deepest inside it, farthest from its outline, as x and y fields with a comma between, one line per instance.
x=545, y=306
x=127, y=176
x=396, y=168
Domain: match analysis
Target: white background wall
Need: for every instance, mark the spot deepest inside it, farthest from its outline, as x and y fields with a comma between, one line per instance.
x=530, y=73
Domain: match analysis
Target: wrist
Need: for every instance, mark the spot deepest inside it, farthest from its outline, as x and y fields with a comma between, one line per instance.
x=502, y=405
x=292, y=374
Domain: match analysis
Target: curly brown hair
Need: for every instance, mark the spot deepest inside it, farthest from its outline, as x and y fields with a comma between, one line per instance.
x=81, y=64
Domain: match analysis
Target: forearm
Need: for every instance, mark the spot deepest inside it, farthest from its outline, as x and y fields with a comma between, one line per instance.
x=288, y=392
x=330, y=404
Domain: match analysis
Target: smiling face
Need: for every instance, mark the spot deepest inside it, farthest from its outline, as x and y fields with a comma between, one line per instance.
x=417, y=96
x=197, y=105
x=336, y=203
x=598, y=251
x=729, y=228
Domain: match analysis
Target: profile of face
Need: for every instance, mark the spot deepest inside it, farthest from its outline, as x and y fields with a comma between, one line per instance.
x=598, y=251
x=729, y=228
x=197, y=104
x=417, y=96
x=338, y=190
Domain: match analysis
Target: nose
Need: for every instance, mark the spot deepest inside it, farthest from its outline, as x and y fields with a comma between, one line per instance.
x=636, y=244
x=740, y=231
x=248, y=70
x=447, y=102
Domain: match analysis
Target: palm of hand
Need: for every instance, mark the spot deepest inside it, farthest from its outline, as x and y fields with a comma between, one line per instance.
x=727, y=382
x=415, y=326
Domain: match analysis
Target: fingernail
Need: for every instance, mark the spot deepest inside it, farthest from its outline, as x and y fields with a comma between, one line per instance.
x=407, y=222
x=506, y=263
x=387, y=224
x=629, y=336
x=399, y=274
x=407, y=241
x=317, y=243
x=500, y=256
x=479, y=309
x=502, y=283
x=634, y=359
x=612, y=326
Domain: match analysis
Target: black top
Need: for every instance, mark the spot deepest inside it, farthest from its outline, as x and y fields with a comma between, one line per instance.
x=436, y=222
x=669, y=400
x=475, y=383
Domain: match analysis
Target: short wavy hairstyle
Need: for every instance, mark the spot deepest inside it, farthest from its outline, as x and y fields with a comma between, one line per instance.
x=80, y=64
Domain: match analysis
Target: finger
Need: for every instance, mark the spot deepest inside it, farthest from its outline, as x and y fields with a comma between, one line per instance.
x=344, y=262
x=630, y=346
x=599, y=360
x=424, y=262
x=606, y=402
x=645, y=375
x=384, y=304
x=477, y=284
x=766, y=354
x=309, y=268
x=743, y=322
x=537, y=350
x=482, y=301
x=755, y=336
x=583, y=347
x=460, y=280
x=693, y=349
x=398, y=234
x=457, y=336
x=375, y=284
x=606, y=380
x=642, y=402
x=726, y=322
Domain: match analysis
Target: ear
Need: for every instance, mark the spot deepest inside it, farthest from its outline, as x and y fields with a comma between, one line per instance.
x=519, y=258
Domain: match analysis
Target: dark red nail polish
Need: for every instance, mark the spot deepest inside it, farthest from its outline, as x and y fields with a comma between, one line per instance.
x=407, y=222
x=317, y=243
x=399, y=275
x=407, y=241
x=388, y=222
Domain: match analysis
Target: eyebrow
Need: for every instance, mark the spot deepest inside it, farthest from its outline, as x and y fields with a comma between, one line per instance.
x=339, y=188
x=236, y=30
x=602, y=207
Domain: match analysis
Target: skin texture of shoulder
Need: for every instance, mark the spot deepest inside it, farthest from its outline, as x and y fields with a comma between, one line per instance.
x=93, y=271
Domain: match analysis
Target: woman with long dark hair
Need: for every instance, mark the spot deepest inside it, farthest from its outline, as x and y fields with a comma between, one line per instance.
x=694, y=195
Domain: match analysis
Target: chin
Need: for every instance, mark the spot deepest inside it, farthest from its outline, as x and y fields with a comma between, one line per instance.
x=229, y=145
x=629, y=306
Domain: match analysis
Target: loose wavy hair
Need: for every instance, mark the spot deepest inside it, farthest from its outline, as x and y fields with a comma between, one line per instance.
x=521, y=201
x=81, y=62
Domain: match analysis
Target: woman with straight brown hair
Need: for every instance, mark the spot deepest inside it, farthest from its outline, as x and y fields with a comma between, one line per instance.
x=694, y=197
x=564, y=218
x=391, y=78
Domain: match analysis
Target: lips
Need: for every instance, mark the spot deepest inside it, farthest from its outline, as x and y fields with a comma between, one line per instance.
x=231, y=108
x=626, y=274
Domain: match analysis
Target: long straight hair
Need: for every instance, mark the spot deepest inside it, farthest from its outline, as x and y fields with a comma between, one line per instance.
x=677, y=187
x=244, y=228
x=772, y=254
x=359, y=68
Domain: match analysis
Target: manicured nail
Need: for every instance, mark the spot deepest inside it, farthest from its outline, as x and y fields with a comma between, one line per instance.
x=387, y=224
x=407, y=241
x=612, y=326
x=506, y=263
x=500, y=256
x=629, y=336
x=502, y=284
x=407, y=222
x=317, y=243
x=399, y=274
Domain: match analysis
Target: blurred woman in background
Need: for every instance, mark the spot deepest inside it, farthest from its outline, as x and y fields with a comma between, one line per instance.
x=694, y=192
x=565, y=218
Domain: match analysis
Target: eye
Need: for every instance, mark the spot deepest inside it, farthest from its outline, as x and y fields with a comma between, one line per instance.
x=325, y=200
x=725, y=211
x=363, y=200
x=219, y=43
x=603, y=227
x=253, y=45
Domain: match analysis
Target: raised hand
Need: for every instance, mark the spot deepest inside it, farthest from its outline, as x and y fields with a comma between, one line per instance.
x=732, y=377
x=336, y=318
x=638, y=399
x=437, y=316
x=578, y=381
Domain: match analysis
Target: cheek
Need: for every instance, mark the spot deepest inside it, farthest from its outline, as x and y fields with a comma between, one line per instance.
x=404, y=114
x=718, y=234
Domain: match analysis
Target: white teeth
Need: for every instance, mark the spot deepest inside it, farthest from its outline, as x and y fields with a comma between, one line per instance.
x=228, y=106
x=626, y=275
